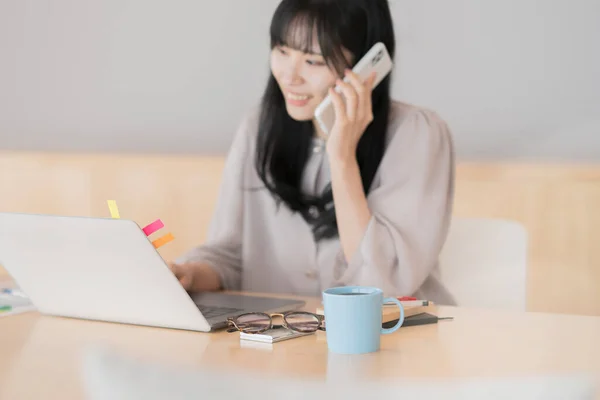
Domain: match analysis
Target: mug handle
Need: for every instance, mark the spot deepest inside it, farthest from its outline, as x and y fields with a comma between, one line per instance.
x=393, y=329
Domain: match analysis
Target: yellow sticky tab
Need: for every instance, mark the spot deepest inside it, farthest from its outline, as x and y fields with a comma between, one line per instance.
x=114, y=210
x=163, y=240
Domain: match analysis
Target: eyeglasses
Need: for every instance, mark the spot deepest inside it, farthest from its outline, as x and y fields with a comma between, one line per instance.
x=298, y=321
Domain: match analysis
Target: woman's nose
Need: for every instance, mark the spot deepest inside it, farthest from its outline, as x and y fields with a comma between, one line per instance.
x=292, y=75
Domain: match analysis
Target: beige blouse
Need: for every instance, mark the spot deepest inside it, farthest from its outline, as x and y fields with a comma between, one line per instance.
x=256, y=247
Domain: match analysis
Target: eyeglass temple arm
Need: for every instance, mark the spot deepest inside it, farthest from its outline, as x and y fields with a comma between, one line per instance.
x=321, y=319
x=232, y=326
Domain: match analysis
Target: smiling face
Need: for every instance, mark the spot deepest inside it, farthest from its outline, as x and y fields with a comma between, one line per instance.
x=303, y=75
x=303, y=78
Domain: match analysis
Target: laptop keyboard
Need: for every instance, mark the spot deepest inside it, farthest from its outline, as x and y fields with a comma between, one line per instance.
x=215, y=312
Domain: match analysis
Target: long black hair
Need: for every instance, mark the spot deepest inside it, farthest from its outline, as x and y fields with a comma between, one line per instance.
x=284, y=144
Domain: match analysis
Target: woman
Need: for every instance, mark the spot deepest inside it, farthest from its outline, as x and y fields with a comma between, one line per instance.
x=368, y=206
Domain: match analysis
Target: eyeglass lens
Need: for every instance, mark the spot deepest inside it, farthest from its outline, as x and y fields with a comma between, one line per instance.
x=302, y=322
x=253, y=323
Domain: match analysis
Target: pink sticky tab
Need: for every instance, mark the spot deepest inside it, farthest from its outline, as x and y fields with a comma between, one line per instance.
x=153, y=227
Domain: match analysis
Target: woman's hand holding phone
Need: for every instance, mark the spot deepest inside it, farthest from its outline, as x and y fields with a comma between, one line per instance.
x=352, y=116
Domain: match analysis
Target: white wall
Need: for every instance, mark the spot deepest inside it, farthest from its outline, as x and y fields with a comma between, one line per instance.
x=514, y=78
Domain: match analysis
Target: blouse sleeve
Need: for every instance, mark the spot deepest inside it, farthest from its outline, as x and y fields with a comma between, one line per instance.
x=222, y=249
x=410, y=210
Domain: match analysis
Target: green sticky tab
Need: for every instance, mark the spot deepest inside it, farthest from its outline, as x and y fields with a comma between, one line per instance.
x=5, y=308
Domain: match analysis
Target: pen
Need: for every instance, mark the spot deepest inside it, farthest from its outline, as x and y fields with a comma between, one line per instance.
x=412, y=303
x=14, y=292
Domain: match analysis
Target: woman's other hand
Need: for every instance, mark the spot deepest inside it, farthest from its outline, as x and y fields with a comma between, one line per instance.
x=195, y=277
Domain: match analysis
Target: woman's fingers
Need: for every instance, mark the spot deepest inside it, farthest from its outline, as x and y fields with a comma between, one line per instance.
x=360, y=90
x=173, y=267
x=182, y=273
x=338, y=106
x=368, y=106
x=363, y=90
x=186, y=281
x=351, y=99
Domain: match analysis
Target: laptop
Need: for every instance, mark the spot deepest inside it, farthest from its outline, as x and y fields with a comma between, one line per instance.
x=107, y=269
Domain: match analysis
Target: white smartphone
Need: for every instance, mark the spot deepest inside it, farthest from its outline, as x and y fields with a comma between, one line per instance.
x=377, y=59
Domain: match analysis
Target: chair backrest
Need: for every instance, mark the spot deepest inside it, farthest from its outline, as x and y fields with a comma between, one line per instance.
x=484, y=263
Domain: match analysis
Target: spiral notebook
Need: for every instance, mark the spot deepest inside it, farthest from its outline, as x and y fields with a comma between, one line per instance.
x=392, y=312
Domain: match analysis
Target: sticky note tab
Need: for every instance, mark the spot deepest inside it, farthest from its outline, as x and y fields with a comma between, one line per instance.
x=114, y=210
x=153, y=227
x=163, y=240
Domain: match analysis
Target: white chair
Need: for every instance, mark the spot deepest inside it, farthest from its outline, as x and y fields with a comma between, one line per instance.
x=484, y=263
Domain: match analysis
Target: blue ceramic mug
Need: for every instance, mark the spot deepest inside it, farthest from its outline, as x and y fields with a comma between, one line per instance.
x=353, y=319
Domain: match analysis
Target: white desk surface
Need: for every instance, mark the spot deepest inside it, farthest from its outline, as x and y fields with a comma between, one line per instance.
x=41, y=357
